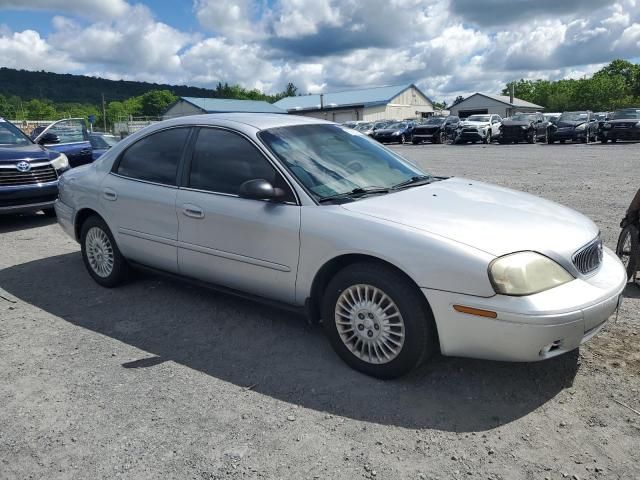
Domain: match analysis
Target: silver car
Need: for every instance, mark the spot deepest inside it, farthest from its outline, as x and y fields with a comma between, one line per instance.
x=396, y=263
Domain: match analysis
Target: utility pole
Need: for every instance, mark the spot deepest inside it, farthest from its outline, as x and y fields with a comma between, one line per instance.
x=104, y=114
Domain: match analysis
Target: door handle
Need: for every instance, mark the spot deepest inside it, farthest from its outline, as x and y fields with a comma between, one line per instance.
x=192, y=211
x=110, y=194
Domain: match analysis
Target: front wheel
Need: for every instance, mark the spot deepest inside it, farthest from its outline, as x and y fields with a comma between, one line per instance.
x=487, y=138
x=377, y=321
x=402, y=139
x=604, y=140
x=628, y=249
x=100, y=254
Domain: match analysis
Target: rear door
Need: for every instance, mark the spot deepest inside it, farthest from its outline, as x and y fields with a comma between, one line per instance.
x=139, y=198
x=69, y=137
x=248, y=245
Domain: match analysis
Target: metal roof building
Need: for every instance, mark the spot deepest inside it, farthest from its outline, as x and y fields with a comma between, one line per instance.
x=378, y=103
x=502, y=105
x=196, y=106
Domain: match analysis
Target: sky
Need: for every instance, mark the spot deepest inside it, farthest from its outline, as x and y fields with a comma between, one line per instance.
x=446, y=47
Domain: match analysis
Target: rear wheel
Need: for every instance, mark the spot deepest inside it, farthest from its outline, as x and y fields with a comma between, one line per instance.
x=532, y=137
x=628, y=249
x=100, y=254
x=487, y=138
x=377, y=320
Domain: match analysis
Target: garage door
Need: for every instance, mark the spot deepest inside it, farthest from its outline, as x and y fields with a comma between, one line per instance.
x=340, y=117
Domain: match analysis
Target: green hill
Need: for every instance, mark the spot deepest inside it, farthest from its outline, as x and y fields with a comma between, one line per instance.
x=67, y=88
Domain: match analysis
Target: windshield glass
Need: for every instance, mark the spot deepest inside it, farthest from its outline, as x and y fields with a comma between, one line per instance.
x=364, y=126
x=628, y=114
x=103, y=141
x=574, y=117
x=397, y=125
x=478, y=118
x=435, y=121
x=522, y=117
x=11, y=135
x=329, y=160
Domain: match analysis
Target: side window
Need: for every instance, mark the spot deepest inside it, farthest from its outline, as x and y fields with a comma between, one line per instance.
x=222, y=161
x=155, y=158
x=69, y=131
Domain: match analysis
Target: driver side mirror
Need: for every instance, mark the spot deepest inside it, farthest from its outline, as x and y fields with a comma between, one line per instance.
x=260, y=189
x=48, y=139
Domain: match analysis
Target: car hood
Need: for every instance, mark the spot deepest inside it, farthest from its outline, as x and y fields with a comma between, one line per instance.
x=515, y=123
x=474, y=124
x=493, y=219
x=32, y=151
x=570, y=124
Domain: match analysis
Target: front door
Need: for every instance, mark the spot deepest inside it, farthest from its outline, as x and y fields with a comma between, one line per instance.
x=69, y=137
x=139, y=199
x=247, y=245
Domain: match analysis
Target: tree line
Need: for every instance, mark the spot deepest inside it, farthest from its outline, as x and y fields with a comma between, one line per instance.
x=616, y=85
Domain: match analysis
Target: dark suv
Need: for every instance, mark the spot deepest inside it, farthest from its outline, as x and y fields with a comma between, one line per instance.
x=28, y=172
x=524, y=127
x=435, y=129
x=622, y=125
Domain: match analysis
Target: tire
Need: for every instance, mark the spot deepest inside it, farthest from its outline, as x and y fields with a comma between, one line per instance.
x=442, y=138
x=532, y=138
x=604, y=140
x=410, y=311
x=402, y=139
x=415, y=141
x=563, y=141
x=614, y=140
x=487, y=140
x=628, y=249
x=98, y=245
x=49, y=212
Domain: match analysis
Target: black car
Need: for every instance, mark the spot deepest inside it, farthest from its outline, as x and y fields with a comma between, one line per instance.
x=28, y=172
x=435, y=129
x=524, y=127
x=622, y=125
x=574, y=126
x=398, y=132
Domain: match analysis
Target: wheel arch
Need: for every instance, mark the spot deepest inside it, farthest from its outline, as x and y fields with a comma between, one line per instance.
x=81, y=217
x=324, y=275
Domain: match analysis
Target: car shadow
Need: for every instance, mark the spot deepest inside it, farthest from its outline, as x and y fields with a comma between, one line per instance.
x=12, y=223
x=277, y=353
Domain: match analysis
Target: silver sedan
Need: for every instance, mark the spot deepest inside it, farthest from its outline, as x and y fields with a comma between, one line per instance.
x=396, y=263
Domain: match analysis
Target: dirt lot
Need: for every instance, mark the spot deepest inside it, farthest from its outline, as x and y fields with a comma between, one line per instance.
x=159, y=379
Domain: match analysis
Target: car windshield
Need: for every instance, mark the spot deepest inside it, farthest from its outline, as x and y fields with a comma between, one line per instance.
x=435, y=121
x=626, y=114
x=102, y=141
x=478, y=118
x=10, y=135
x=397, y=125
x=523, y=117
x=573, y=117
x=330, y=161
x=364, y=126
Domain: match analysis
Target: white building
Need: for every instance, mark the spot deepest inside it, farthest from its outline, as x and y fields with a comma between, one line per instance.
x=396, y=102
x=502, y=105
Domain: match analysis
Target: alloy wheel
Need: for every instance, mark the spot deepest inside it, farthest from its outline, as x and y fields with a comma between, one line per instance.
x=99, y=252
x=369, y=324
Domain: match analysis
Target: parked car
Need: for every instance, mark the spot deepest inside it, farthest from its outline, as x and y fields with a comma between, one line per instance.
x=574, y=126
x=623, y=124
x=366, y=128
x=28, y=173
x=476, y=128
x=551, y=117
x=524, y=127
x=100, y=143
x=395, y=263
x=68, y=136
x=435, y=129
x=398, y=132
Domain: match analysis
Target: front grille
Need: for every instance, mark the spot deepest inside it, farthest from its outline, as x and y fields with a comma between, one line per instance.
x=589, y=257
x=469, y=130
x=623, y=125
x=425, y=130
x=41, y=174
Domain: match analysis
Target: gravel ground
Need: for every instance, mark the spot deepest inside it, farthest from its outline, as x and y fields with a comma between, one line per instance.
x=159, y=379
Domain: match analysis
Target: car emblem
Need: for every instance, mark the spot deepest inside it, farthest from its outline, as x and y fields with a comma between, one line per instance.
x=23, y=166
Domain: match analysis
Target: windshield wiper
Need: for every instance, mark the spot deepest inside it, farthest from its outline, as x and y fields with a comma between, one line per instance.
x=413, y=181
x=355, y=193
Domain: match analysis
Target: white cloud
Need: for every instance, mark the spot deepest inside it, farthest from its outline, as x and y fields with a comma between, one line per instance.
x=85, y=8
x=27, y=50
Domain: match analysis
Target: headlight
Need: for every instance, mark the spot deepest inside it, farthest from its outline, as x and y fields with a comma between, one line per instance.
x=526, y=273
x=638, y=125
x=61, y=162
x=524, y=127
x=395, y=133
x=608, y=125
x=582, y=126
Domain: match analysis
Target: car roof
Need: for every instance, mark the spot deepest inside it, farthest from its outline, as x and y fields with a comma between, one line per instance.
x=260, y=121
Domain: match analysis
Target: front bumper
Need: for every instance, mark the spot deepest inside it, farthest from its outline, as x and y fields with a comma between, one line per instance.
x=515, y=135
x=621, y=134
x=573, y=135
x=534, y=327
x=27, y=198
x=424, y=135
x=470, y=135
